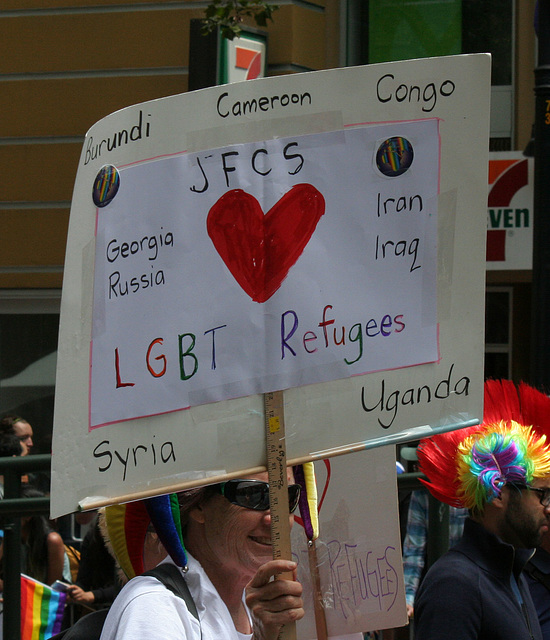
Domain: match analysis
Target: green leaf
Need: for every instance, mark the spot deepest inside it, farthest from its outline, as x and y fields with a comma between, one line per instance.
x=227, y=15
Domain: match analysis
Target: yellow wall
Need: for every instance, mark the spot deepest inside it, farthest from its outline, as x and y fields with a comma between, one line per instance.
x=64, y=64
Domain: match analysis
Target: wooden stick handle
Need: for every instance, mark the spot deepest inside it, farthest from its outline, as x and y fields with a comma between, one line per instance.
x=278, y=488
x=319, y=609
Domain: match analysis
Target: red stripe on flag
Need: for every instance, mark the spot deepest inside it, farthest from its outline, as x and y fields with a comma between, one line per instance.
x=27, y=599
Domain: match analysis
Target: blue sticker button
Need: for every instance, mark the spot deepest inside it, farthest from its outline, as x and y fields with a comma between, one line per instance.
x=106, y=185
x=394, y=156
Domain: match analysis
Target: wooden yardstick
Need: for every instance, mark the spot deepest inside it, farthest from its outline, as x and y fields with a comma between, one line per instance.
x=278, y=487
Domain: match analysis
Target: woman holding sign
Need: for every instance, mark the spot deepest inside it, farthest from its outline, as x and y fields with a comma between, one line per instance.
x=227, y=533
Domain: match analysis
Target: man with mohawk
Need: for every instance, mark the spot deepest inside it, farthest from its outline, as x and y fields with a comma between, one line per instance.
x=500, y=472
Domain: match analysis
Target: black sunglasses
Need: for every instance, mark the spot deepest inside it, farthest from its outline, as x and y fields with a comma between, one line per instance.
x=544, y=495
x=254, y=494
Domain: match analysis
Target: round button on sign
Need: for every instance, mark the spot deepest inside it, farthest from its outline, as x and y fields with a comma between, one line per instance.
x=394, y=156
x=106, y=185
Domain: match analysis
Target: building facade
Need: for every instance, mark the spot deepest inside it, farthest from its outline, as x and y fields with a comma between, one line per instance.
x=65, y=64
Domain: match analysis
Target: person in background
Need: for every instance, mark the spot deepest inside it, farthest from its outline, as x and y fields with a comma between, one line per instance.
x=19, y=427
x=500, y=472
x=96, y=583
x=43, y=551
x=99, y=577
x=416, y=539
x=538, y=578
x=227, y=533
x=10, y=446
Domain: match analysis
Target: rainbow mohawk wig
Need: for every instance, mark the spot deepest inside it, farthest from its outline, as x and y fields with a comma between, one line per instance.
x=468, y=467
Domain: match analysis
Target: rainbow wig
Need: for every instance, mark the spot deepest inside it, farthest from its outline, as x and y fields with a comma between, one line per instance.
x=468, y=467
x=124, y=527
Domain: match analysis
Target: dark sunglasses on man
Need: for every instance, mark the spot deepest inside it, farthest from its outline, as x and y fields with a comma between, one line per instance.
x=544, y=494
x=254, y=494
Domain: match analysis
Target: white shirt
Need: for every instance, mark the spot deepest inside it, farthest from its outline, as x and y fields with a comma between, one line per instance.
x=145, y=608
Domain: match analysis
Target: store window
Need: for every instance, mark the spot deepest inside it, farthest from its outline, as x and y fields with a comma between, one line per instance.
x=29, y=324
x=498, y=332
x=388, y=30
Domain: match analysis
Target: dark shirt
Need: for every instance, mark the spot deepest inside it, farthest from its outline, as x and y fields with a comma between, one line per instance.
x=470, y=593
x=540, y=592
x=97, y=569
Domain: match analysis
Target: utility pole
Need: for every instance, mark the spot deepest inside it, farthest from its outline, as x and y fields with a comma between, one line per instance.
x=540, y=309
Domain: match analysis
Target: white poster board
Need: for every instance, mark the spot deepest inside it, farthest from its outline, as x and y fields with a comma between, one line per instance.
x=331, y=214
x=374, y=327
x=359, y=555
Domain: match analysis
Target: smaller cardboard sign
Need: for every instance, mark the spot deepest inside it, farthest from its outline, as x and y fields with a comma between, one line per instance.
x=358, y=549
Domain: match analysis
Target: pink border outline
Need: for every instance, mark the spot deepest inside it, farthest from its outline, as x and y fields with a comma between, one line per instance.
x=180, y=153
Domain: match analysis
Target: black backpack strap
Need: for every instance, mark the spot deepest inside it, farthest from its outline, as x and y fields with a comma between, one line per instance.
x=537, y=574
x=86, y=628
x=172, y=578
x=89, y=626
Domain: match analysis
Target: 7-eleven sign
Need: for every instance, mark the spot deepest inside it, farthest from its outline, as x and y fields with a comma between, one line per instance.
x=510, y=212
x=243, y=58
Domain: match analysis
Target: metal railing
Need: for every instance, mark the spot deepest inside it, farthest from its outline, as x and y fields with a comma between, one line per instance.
x=12, y=507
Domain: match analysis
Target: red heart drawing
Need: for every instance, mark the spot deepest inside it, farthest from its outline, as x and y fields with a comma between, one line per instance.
x=259, y=250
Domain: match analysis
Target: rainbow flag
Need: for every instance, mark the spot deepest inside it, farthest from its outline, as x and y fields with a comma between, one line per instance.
x=41, y=610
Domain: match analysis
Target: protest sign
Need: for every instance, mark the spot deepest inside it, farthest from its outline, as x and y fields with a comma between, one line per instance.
x=250, y=330
x=321, y=233
x=359, y=556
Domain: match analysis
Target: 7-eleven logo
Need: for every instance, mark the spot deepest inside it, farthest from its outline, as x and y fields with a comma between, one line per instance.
x=249, y=60
x=246, y=59
x=509, y=211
